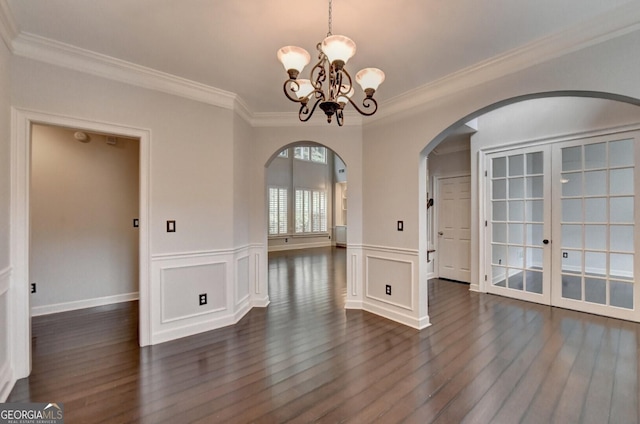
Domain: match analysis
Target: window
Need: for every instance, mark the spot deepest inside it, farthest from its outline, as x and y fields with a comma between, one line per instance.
x=284, y=153
x=311, y=154
x=311, y=211
x=277, y=210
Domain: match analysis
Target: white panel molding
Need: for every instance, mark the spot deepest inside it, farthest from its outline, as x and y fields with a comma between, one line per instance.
x=5, y=280
x=601, y=28
x=83, y=304
x=355, y=282
x=168, y=329
x=7, y=380
x=159, y=257
x=409, y=263
x=191, y=264
x=243, y=254
x=64, y=55
x=388, y=249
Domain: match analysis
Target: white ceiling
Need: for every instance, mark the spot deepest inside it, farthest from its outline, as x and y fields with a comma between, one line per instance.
x=232, y=44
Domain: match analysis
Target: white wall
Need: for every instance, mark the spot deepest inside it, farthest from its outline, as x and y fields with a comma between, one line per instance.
x=394, y=172
x=84, y=197
x=6, y=374
x=191, y=162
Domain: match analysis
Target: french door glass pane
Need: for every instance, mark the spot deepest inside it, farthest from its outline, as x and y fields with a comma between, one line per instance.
x=621, y=153
x=597, y=223
x=595, y=290
x=535, y=163
x=595, y=156
x=595, y=183
x=572, y=158
x=595, y=237
x=621, y=181
x=517, y=192
x=621, y=237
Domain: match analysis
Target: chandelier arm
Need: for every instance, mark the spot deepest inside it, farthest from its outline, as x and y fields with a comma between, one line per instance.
x=339, y=117
x=343, y=85
x=289, y=87
x=367, y=103
x=305, y=114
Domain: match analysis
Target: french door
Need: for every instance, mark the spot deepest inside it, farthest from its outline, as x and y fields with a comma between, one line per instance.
x=561, y=224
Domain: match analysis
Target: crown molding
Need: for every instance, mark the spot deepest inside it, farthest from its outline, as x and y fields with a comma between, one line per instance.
x=60, y=54
x=604, y=27
x=8, y=27
x=615, y=23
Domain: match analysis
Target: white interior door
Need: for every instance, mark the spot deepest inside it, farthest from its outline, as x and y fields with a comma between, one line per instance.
x=518, y=225
x=561, y=227
x=454, y=228
x=595, y=219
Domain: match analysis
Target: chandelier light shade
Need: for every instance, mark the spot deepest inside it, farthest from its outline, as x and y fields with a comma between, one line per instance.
x=294, y=59
x=338, y=49
x=329, y=85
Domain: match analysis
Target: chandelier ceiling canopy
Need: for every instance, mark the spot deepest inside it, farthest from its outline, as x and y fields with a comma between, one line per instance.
x=333, y=54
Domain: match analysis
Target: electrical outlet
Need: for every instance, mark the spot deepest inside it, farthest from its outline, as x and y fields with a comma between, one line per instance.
x=33, y=287
x=400, y=225
x=387, y=289
x=565, y=254
x=203, y=299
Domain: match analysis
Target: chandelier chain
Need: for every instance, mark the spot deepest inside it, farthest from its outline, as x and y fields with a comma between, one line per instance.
x=330, y=18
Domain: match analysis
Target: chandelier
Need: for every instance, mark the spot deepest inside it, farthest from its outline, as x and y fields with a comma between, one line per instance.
x=333, y=53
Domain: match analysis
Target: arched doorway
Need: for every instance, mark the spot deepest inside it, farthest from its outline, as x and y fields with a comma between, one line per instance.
x=306, y=208
x=587, y=265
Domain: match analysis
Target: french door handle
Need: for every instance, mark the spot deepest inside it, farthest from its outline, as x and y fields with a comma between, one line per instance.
x=545, y=241
x=440, y=233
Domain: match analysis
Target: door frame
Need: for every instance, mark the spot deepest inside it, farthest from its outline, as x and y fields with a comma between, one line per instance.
x=19, y=300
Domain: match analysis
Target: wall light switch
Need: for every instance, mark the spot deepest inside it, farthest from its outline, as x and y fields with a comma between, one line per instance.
x=136, y=222
x=400, y=225
x=171, y=226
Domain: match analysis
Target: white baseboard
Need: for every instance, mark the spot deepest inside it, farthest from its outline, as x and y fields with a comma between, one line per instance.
x=418, y=324
x=82, y=304
x=6, y=381
x=296, y=246
x=353, y=304
x=260, y=303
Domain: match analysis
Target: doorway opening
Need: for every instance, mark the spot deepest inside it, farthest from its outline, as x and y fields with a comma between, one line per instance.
x=24, y=122
x=84, y=218
x=595, y=266
x=306, y=192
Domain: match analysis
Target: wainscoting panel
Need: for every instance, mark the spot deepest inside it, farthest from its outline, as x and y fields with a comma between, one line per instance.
x=392, y=287
x=227, y=277
x=6, y=375
x=394, y=275
x=242, y=280
x=181, y=288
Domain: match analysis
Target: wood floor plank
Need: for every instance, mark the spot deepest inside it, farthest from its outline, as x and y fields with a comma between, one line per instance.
x=485, y=359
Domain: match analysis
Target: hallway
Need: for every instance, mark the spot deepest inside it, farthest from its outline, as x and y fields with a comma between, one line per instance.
x=305, y=359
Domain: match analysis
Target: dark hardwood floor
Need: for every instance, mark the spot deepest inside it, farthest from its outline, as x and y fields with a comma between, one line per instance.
x=305, y=359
